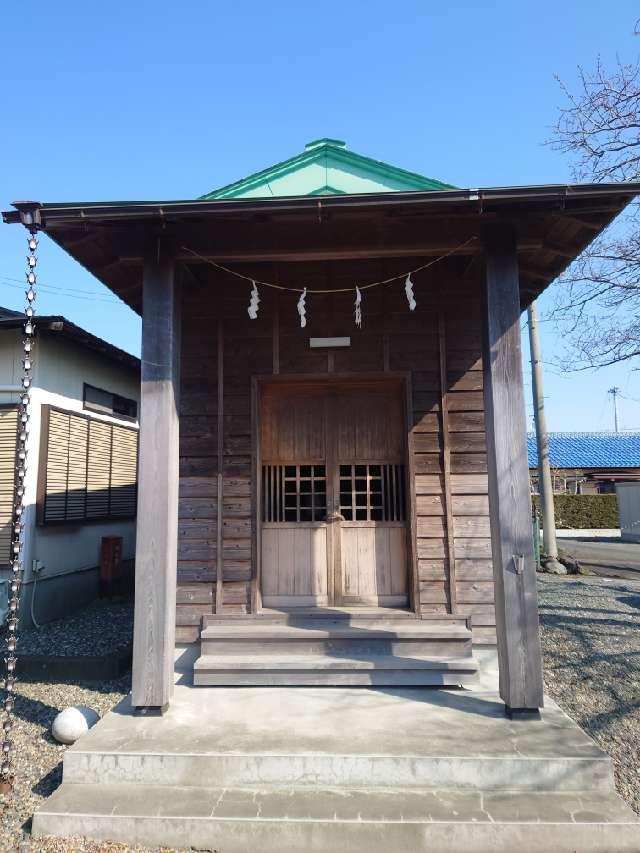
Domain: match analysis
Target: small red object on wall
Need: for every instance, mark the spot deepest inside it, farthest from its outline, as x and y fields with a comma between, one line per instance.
x=110, y=566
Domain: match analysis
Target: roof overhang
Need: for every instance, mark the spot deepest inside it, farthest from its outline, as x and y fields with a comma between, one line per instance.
x=553, y=225
x=61, y=328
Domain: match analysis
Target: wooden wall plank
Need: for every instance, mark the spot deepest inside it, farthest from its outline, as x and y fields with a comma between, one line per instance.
x=433, y=527
x=469, y=484
x=430, y=548
x=467, y=442
x=466, y=401
x=427, y=463
x=470, y=505
x=475, y=592
x=474, y=569
x=446, y=459
x=216, y=411
x=194, y=593
x=468, y=463
x=429, y=484
x=472, y=548
x=429, y=505
x=432, y=570
x=466, y=421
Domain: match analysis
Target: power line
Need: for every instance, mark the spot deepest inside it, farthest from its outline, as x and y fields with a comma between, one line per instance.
x=53, y=289
x=631, y=399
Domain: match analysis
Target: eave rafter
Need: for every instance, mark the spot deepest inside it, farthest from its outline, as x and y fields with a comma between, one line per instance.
x=553, y=225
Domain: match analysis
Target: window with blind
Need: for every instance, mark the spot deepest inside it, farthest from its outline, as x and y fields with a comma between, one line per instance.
x=8, y=440
x=108, y=403
x=88, y=469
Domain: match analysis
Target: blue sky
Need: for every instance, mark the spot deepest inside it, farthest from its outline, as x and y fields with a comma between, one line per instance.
x=157, y=99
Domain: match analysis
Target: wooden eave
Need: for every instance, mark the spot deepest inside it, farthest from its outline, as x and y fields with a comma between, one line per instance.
x=553, y=225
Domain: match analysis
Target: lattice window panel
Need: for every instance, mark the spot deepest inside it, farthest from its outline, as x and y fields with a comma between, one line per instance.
x=294, y=493
x=372, y=492
x=8, y=440
x=124, y=462
x=98, y=469
x=90, y=469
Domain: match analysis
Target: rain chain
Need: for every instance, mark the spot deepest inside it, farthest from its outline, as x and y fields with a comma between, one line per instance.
x=17, y=539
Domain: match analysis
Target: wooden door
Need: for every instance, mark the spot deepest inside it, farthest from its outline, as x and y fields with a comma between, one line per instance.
x=370, y=495
x=333, y=498
x=293, y=449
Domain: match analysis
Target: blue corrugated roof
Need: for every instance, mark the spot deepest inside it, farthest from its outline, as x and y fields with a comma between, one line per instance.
x=589, y=449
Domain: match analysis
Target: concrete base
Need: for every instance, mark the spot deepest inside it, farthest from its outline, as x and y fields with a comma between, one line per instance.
x=349, y=769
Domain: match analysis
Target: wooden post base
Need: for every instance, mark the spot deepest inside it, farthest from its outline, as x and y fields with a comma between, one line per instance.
x=150, y=710
x=522, y=713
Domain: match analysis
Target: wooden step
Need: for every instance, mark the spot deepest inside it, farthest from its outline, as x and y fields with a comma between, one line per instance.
x=350, y=616
x=321, y=637
x=350, y=648
x=317, y=630
x=315, y=669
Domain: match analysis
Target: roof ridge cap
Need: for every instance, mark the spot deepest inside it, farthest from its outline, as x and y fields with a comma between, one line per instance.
x=323, y=148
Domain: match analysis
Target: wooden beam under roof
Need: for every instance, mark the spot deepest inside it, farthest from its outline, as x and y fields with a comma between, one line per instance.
x=395, y=225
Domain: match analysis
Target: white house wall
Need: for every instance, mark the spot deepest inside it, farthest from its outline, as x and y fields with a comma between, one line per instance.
x=60, y=370
x=10, y=364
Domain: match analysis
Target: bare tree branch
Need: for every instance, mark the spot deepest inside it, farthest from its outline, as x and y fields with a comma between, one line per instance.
x=597, y=306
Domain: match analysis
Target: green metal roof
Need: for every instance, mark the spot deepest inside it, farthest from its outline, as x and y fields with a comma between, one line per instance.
x=326, y=167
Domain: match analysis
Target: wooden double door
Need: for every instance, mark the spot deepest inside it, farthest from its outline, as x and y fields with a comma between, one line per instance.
x=333, y=494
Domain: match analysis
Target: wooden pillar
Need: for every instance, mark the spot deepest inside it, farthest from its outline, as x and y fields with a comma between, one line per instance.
x=519, y=651
x=157, y=528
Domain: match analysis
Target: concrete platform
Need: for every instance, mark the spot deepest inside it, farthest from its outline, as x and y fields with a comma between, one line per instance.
x=340, y=769
x=337, y=820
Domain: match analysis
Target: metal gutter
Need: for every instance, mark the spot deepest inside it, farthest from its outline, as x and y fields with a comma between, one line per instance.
x=95, y=211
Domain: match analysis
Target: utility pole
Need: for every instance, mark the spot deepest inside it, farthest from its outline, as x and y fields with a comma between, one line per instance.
x=614, y=393
x=550, y=546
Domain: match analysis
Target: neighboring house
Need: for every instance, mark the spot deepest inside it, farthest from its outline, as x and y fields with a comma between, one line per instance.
x=330, y=502
x=588, y=463
x=80, y=483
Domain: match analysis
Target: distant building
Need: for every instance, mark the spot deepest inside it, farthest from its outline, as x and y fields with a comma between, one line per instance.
x=80, y=482
x=588, y=463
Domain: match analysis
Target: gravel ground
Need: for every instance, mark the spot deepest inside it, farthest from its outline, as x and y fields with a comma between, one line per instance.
x=591, y=648
x=591, y=644
x=37, y=757
x=99, y=629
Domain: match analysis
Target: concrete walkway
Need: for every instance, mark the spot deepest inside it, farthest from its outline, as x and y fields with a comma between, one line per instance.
x=340, y=769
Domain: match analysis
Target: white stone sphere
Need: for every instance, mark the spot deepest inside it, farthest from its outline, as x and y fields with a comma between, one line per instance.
x=72, y=723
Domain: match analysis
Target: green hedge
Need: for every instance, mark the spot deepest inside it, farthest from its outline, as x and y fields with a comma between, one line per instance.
x=577, y=512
